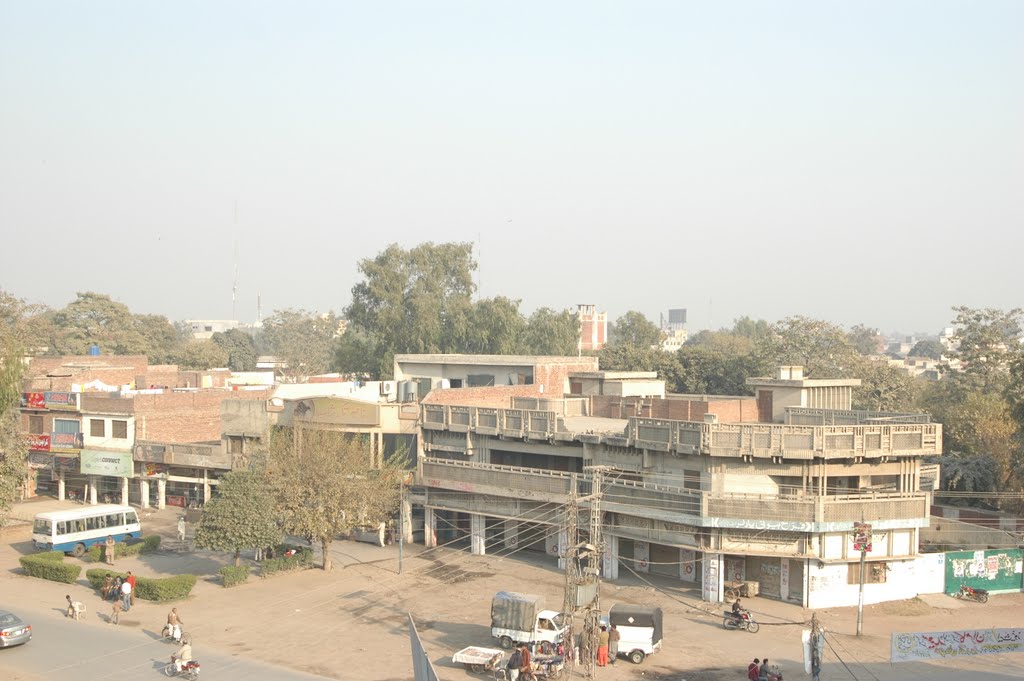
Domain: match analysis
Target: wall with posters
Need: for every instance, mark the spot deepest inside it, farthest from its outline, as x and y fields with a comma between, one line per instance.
x=998, y=570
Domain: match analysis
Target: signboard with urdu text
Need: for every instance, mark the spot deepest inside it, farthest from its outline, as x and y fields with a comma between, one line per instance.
x=936, y=645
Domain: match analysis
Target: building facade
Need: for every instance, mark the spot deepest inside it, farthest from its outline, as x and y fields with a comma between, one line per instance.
x=698, y=489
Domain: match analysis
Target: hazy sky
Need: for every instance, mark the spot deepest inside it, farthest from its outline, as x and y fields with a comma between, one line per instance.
x=858, y=162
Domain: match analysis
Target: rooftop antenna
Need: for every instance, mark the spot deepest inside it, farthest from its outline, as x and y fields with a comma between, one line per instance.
x=259, y=311
x=234, y=285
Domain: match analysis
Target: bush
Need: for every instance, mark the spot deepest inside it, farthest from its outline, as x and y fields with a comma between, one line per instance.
x=233, y=576
x=124, y=549
x=159, y=589
x=51, y=566
x=300, y=561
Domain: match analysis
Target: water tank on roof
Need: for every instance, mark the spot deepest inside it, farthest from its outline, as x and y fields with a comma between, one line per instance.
x=94, y=350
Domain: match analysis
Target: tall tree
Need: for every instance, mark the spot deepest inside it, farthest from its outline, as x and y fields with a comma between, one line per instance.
x=327, y=484
x=930, y=348
x=24, y=325
x=720, y=362
x=552, y=333
x=633, y=328
x=13, y=448
x=242, y=515
x=823, y=349
x=866, y=341
x=985, y=345
x=496, y=327
x=97, y=318
x=883, y=387
x=199, y=355
x=414, y=301
x=304, y=340
x=240, y=349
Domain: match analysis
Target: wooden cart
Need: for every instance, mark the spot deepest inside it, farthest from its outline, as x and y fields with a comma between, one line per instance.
x=477, y=659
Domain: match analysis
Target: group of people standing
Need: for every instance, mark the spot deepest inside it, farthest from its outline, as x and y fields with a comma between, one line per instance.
x=608, y=645
x=121, y=592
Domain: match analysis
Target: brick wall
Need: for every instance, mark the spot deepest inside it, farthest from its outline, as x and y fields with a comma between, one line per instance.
x=555, y=377
x=489, y=396
x=40, y=366
x=185, y=416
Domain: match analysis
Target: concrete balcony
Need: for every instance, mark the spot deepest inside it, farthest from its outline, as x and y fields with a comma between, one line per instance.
x=832, y=513
x=198, y=455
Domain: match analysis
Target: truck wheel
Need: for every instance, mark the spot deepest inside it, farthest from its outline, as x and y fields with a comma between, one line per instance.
x=505, y=642
x=636, y=656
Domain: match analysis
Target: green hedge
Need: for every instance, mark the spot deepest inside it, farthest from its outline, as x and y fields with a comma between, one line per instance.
x=50, y=566
x=124, y=549
x=300, y=561
x=160, y=589
x=233, y=576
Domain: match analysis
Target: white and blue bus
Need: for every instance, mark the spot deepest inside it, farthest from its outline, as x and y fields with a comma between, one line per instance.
x=74, y=531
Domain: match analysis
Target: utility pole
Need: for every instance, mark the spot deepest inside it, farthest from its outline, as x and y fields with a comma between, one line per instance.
x=816, y=642
x=862, y=543
x=583, y=573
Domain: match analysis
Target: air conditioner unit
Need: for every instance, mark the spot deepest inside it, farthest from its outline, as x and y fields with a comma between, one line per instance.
x=711, y=418
x=387, y=387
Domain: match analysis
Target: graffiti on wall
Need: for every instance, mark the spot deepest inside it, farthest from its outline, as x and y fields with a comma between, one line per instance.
x=959, y=643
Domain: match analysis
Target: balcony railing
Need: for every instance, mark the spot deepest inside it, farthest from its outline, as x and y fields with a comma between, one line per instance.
x=679, y=505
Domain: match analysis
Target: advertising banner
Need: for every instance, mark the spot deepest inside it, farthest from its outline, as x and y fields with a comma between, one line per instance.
x=117, y=464
x=33, y=401
x=66, y=442
x=65, y=463
x=40, y=460
x=936, y=645
x=38, y=443
x=154, y=470
x=65, y=401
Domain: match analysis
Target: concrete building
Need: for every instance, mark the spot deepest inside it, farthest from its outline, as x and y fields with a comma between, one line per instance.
x=697, y=488
x=203, y=329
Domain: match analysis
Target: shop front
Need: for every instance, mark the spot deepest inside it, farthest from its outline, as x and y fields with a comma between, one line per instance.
x=108, y=474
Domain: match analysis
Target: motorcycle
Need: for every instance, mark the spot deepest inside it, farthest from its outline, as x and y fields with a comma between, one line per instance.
x=189, y=669
x=972, y=594
x=743, y=620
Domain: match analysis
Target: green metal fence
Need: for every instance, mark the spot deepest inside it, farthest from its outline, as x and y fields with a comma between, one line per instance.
x=998, y=570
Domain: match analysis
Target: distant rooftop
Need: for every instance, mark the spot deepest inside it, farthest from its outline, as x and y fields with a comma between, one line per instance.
x=495, y=360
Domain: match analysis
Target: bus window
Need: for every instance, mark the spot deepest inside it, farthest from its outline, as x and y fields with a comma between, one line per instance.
x=78, y=525
x=91, y=523
x=62, y=527
x=131, y=518
x=114, y=520
x=41, y=527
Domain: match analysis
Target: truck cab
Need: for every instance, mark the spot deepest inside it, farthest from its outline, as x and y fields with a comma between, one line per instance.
x=521, y=618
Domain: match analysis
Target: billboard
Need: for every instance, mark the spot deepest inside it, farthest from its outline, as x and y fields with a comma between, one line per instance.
x=33, y=401
x=66, y=442
x=117, y=464
x=937, y=645
x=61, y=401
x=38, y=442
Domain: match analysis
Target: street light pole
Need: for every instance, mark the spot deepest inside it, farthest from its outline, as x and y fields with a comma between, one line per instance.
x=860, y=595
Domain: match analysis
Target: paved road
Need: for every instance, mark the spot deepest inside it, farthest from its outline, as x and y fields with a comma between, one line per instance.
x=65, y=649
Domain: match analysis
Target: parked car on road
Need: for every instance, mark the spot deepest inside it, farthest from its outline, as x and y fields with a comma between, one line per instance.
x=13, y=630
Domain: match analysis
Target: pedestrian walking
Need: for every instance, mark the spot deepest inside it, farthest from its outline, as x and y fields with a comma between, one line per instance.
x=613, y=644
x=131, y=580
x=126, y=595
x=109, y=550
x=515, y=661
x=181, y=529
x=115, y=613
x=75, y=608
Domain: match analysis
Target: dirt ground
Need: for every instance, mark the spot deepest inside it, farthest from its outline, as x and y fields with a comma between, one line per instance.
x=353, y=621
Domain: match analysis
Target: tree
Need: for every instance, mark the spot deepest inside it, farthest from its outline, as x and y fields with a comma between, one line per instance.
x=241, y=515
x=162, y=339
x=356, y=355
x=753, y=329
x=930, y=348
x=552, y=333
x=720, y=362
x=304, y=340
x=240, y=349
x=414, y=301
x=326, y=484
x=199, y=355
x=496, y=327
x=985, y=345
x=866, y=341
x=24, y=325
x=634, y=328
x=883, y=387
x=13, y=448
x=823, y=349
x=97, y=318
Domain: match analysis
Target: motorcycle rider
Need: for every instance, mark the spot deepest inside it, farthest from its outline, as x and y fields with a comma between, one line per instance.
x=737, y=610
x=183, y=655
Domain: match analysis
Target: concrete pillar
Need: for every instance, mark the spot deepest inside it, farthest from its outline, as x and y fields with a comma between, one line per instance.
x=161, y=494
x=61, y=486
x=406, y=511
x=511, y=534
x=93, y=489
x=429, y=528
x=144, y=492
x=207, y=487
x=124, y=491
x=687, y=565
x=610, y=559
x=711, y=576
x=641, y=556
x=478, y=534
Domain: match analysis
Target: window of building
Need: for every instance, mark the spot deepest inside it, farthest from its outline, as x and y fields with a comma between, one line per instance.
x=575, y=387
x=35, y=425
x=479, y=380
x=119, y=430
x=97, y=428
x=235, y=444
x=66, y=426
x=455, y=383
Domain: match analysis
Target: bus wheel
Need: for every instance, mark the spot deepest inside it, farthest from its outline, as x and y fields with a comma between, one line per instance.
x=79, y=550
